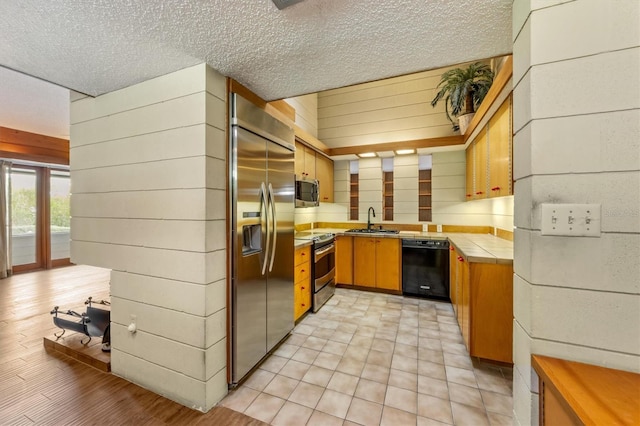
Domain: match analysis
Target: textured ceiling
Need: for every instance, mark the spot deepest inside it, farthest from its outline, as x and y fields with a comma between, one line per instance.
x=97, y=46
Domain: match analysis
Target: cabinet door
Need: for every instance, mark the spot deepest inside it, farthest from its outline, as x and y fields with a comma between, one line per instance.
x=453, y=287
x=469, y=190
x=344, y=260
x=465, y=302
x=500, y=142
x=480, y=165
x=388, y=263
x=364, y=261
x=299, y=161
x=302, y=299
x=309, y=163
x=491, y=307
x=324, y=174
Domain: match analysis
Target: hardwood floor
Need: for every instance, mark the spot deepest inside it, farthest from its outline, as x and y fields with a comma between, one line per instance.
x=39, y=387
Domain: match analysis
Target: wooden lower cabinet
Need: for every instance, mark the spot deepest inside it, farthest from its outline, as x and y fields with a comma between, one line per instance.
x=344, y=260
x=388, y=263
x=482, y=295
x=302, y=279
x=376, y=263
x=575, y=393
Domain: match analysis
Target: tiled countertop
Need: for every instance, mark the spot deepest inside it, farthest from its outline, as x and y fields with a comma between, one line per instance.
x=478, y=248
x=301, y=243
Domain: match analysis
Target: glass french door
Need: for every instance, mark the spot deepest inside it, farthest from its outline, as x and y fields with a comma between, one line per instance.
x=40, y=217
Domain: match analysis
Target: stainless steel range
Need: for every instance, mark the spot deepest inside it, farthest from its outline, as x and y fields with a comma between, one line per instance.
x=323, y=268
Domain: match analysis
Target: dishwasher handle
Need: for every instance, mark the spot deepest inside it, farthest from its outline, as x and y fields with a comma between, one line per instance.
x=426, y=244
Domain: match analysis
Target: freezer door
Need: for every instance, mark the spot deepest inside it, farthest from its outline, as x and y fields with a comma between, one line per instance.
x=281, y=181
x=249, y=291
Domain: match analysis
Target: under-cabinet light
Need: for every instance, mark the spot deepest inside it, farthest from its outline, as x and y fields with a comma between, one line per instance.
x=367, y=155
x=404, y=151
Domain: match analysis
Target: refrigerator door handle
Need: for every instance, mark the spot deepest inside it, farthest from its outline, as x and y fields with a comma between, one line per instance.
x=272, y=203
x=263, y=203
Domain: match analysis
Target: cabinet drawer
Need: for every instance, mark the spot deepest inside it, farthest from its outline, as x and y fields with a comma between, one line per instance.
x=302, y=298
x=302, y=255
x=301, y=272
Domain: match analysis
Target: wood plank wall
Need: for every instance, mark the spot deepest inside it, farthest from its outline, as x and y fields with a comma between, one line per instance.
x=391, y=110
x=149, y=198
x=28, y=146
x=306, y=107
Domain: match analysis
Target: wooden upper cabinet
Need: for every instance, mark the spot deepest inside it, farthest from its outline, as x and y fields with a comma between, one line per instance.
x=480, y=166
x=312, y=165
x=500, y=144
x=324, y=174
x=489, y=157
x=305, y=162
x=469, y=172
x=299, y=161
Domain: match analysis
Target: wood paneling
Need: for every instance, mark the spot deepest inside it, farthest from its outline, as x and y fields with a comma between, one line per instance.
x=21, y=145
x=404, y=144
x=499, y=83
x=504, y=234
x=589, y=394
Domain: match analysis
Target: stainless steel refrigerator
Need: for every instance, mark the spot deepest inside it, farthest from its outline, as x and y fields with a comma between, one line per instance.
x=262, y=190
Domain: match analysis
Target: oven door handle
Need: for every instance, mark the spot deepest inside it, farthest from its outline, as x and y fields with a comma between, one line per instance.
x=322, y=281
x=319, y=254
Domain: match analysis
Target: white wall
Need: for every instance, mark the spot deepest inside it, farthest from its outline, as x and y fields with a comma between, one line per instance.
x=148, y=200
x=448, y=193
x=405, y=189
x=306, y=107
x=390, y=110
x=577, y=140
x=370, y=186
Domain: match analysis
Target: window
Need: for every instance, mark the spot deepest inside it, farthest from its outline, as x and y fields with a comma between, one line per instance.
x=424, y=188
x=354, y=191
x=387, y=188
x=40, y=217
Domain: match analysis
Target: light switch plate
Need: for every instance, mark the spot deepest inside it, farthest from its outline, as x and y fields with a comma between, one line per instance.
x=572, y=220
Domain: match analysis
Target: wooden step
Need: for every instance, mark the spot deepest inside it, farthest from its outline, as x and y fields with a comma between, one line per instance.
x=90, y=354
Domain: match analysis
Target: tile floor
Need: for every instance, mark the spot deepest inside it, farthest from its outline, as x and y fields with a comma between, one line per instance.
x=375, y=359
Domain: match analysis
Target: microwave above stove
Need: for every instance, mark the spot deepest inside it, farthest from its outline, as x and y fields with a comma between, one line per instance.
x=307, y=193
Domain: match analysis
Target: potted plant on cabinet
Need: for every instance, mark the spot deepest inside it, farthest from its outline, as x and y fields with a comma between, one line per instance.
x=463, y=90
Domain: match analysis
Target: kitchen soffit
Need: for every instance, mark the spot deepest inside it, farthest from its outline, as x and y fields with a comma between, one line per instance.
x=95, y=47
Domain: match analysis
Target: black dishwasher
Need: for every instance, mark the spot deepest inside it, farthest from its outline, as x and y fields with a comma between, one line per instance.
x=425, y=268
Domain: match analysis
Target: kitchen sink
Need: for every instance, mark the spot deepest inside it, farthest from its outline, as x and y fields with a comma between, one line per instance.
x=373, y=231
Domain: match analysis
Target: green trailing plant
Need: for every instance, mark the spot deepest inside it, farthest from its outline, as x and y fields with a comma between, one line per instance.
x=463, y=90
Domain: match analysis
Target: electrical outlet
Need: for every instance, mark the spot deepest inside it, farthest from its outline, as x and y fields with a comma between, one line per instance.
x=572, y=220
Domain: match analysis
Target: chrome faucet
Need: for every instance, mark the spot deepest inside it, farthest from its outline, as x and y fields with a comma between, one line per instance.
x=371, y=210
